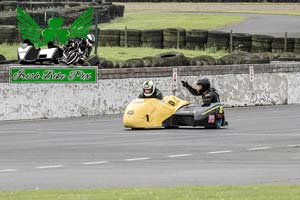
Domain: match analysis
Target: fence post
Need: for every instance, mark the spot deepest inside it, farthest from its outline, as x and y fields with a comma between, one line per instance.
x=126, y=45
x=178, y=37
x=96, y=32
x=285, y=41
x=231, y=42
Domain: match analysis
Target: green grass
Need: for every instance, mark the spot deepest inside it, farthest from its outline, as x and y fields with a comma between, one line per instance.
x=121, y=54
x=9, y=51
x=253, y=8
x=171, y=20
x=258, y=192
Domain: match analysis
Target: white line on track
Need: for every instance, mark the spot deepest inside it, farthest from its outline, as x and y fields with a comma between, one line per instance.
x=178, y=155
x=217, y=152
x=94, y=163
x=293, y=145
x=49, y=166
x=136, y=159
x=7, y=170
x=258, y=148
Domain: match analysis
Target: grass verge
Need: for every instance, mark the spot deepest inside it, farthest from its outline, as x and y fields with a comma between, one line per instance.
x=171, y=20
x=121, y=53
x=255, y=192
x=253, y=8
x=9, y=51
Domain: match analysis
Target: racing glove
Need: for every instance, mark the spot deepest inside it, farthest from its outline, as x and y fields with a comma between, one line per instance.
x=185, y=83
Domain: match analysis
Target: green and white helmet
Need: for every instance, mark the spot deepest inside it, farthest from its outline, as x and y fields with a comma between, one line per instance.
x=148, y=88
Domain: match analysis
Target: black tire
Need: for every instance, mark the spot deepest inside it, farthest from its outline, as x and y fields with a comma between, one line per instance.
x=154, y=38
x=262, y=38
x=116, y=64
x=131, y=38
x=244, y=43
x=2, y=57
x=93, y=60
x=297, y=51
x=122, y=64
x=218, y=45
x=8, y=29
x=297, y=41
x=262, y=45
x=157, y=45
x=110, y=64
x=173, y=44
x=109, y=32
x=281, y=46
x=218, y=35
x=244, y=54
x=282, y=40
x=193, y=39
x=199, y=33
x=102, y=63
x=218, y=39
x=147, y=61
x=196, y=39
x=131, y=32
x=277, y=50
x=233, y=59
x=109, y=38
x=260, y=50
x=134, y=63
x=173, y=32
x=169, y=59
x=241, y=41
x=217, y=124
x=204, y=60
x=243, y=37
x=241, y=48
x=173, y=39
x=152, y=32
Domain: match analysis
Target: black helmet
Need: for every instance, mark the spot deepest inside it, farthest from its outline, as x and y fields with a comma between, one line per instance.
x=28, y=42
x=205, y=83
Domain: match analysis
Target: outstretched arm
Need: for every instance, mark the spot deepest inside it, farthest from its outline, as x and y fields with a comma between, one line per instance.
x=192, y=90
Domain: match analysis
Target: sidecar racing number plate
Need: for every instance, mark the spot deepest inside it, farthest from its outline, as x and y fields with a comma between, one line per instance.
x=211, y=119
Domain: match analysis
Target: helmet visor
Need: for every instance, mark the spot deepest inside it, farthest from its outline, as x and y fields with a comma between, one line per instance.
x=147, y=91
x=90, y=42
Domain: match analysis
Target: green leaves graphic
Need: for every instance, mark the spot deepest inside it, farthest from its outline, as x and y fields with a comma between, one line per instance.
x=29, y=29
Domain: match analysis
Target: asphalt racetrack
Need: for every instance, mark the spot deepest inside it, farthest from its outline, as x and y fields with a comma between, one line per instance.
x=261, y=145
x=266, y=24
